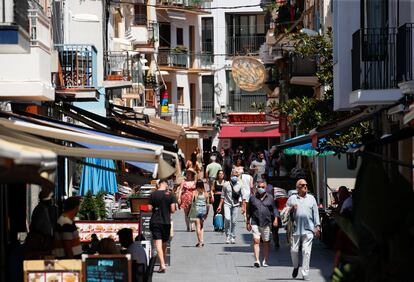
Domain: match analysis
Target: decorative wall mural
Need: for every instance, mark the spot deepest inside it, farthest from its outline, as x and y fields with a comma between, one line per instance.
x=248, y=73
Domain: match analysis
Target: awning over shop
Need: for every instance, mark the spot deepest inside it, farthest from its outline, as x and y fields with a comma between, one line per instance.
x=150, y=124
x=98, y=145
x=307, y=150
x=26, y=155
x=242, y=131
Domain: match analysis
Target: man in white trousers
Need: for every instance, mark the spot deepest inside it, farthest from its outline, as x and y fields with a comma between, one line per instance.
x=306, y=226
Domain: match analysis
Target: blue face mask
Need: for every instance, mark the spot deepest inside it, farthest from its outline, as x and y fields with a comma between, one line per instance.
x=233, y=179
x=261, y=190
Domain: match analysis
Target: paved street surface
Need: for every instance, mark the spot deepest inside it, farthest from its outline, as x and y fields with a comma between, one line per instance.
x=218, y=261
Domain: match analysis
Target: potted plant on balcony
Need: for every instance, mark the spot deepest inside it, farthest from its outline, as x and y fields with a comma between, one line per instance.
x=179, y=55
x=180, y=49
x=136, y=200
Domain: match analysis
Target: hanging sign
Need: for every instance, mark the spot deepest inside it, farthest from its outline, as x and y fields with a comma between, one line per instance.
x=166, y=108
x=283, y=128
x=248, y=73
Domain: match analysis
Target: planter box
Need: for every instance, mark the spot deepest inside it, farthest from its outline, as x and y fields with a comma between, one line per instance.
x=136, y=203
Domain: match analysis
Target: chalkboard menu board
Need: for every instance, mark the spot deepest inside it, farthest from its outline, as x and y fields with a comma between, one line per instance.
x=145, y=225
x=103, y=268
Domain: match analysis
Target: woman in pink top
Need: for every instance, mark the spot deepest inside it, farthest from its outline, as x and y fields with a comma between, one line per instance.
x=185, y=195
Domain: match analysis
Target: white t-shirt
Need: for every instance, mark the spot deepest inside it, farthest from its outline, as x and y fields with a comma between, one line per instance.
x=245, y=181
x=259, y=167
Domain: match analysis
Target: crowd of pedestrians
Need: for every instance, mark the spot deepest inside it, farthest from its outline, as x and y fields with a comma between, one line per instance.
x=229, y=183
x=237, y=182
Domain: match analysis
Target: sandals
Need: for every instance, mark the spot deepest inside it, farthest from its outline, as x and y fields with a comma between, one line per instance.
x=199, y=245
x=161, y=270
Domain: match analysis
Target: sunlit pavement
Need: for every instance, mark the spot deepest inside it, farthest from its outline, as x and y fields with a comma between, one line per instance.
x=217, y=261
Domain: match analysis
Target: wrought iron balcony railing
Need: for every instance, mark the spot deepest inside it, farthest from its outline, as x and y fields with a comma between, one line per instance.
x=117, y=66
x=242, y=102
x=302, y=66
x=243, y=45
x=405, y=52
x=189, y=4
x=374, y=59
x=140, y=19
x=77, y=66
x=188, y=117
x=171, y=58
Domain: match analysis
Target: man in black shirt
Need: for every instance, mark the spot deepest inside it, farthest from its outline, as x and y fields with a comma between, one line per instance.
x=162, y=205
x=261, y=213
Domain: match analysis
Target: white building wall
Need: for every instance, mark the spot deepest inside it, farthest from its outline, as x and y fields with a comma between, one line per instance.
x=346, y=22
x=27, y=76
x=219, y=26
x=83, y=25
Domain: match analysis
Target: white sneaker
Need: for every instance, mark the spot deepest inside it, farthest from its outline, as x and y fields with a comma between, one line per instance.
x=233, y=241
x=228, y=240
x=264, y=264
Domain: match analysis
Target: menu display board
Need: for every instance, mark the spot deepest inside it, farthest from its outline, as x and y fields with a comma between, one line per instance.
x=105, y=229
x=102, y=268
x=52, y=270
x=53, y=276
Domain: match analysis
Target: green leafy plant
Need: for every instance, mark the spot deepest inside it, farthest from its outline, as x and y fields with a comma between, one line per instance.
x=180, y=49
x=308, y=113
x=87, y=210
x=100, y=205
x=92, y=207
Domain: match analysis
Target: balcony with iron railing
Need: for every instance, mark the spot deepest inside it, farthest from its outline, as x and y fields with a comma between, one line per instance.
x=374, y=59
x=77, y=66
x=199, y=6
x=181, y=59
x=139, y=19
x=193, y=117
x=302, y=65
x=244, y=44
x=405, y=63
x=117, y=69
x=242, y=102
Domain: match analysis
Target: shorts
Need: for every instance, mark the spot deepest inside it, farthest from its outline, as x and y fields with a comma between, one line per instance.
x=261, y=232
x=160, y=231
x=201, y=212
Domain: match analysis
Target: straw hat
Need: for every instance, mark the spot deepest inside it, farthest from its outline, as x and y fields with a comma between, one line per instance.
x=191, y=170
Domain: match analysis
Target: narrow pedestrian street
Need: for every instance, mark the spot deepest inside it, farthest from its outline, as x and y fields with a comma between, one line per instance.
x=218, y=261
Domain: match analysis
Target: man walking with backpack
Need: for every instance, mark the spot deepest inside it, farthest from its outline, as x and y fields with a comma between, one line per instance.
x=230, y=199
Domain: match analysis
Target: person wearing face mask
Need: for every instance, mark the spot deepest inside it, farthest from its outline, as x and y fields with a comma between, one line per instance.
x=230, y=199
x=261, y=215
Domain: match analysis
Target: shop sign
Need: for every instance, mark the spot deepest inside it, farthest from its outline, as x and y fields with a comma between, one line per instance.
x=248, y=73
x=283, y=128
x=246, y=118
x=104, y=229
x=164, y=102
